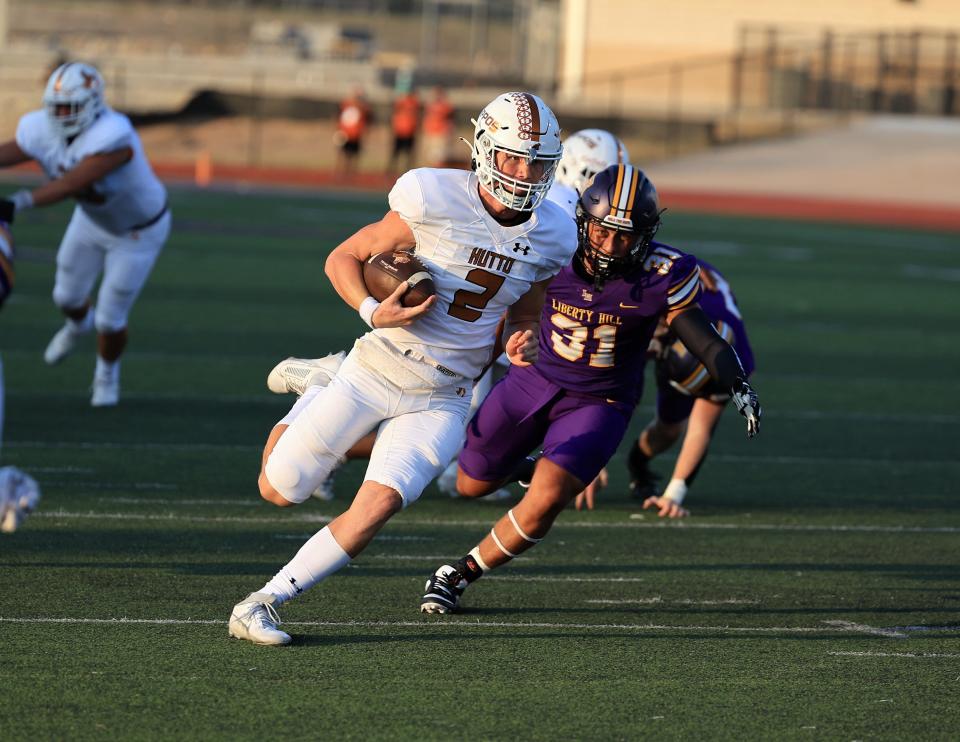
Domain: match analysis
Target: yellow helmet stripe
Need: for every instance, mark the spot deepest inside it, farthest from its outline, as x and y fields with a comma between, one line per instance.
x=632, y=192
x=615, y=201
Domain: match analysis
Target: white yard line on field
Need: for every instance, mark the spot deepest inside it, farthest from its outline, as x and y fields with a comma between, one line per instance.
x=726, y=458
x=93, y=485
x=676, y=601
x=172, y=517
x=60, y=470
x=184, y=502
x=114, y=445
x=936, y=272
x=443, y=623
x=912, y=655
x=859, y=628
x=439, y=523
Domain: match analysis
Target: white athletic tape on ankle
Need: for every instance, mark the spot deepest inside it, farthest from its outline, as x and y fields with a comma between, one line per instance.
x=519, y=530
x=496, y=540
x=475, y=553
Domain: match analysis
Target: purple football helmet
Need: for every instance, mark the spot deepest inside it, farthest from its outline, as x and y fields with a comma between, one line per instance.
x=622, y=199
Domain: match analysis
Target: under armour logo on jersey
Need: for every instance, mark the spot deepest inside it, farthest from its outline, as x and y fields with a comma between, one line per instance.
x=517, y=247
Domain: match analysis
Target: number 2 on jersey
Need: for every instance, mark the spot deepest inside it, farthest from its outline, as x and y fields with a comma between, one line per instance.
x=466, y=304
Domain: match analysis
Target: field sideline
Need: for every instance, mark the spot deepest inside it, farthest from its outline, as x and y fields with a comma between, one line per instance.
x=814, y=594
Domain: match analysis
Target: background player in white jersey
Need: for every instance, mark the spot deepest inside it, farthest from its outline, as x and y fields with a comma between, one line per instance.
x=585, y=153
x=491, y=244
x=91, y=153
x=19, y=493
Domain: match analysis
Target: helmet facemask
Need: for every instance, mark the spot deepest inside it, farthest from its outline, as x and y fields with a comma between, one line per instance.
x=73, y=98
x=516, y=194
x=602, y=266
x=516, y=125
x=620, y=200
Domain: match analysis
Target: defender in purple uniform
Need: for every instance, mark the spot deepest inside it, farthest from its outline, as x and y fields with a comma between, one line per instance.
x=599, y=316
x=687, y=397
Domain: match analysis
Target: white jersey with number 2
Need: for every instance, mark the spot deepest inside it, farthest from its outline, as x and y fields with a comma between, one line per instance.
x=479, y=267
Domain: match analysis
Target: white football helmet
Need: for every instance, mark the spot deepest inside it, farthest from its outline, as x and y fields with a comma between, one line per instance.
x=516, y=124
x=586, y=153
x=73, y=98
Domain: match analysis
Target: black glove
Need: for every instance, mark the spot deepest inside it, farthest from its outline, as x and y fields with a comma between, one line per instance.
x=7, y=210
x=748, y=405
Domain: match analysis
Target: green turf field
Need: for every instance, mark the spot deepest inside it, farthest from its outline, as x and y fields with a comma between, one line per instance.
x=814, y=594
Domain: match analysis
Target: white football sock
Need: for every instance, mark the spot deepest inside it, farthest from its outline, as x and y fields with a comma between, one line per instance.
x=317, y=559
x=107, y=369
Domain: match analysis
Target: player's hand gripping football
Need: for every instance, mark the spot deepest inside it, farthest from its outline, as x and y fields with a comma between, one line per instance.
x=391, y=313
x=522, y=348
x=748, y=405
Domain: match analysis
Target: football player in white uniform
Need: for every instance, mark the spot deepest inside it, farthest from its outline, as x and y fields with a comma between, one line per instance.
x=91, y=153
x=19, y=493
x=492, y=244
x=585, y=154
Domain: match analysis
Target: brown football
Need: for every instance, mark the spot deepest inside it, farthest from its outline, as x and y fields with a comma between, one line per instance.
x=385, y=271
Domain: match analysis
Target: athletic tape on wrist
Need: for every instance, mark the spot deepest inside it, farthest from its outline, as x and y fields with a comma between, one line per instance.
x=675, y=491
x=367, y=307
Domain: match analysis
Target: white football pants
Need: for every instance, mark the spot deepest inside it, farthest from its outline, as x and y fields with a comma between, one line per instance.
x=125, y=261
x=420, y=415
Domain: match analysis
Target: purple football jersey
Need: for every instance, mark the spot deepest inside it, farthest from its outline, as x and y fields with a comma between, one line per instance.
x=595, y=342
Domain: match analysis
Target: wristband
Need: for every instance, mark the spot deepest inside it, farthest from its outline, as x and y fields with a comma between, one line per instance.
x=22, y=199
x=367, y=307
x=675, y=491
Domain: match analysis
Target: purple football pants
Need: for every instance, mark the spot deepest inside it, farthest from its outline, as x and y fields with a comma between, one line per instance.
x=578, y=432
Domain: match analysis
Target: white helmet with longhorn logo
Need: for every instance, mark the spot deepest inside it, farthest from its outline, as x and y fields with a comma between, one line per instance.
x=73, y=98
x=517, y=125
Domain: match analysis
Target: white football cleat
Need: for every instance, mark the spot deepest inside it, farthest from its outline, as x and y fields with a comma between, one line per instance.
x=255, y=619
x=296, y=374
x=65, y=340
x=106, y=390
x=19, y=496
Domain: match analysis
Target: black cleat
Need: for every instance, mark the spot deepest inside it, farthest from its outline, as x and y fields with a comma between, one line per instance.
x=442, y=591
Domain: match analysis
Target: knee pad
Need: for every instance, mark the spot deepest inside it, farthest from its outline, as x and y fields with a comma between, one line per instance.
x=286, y=478
x=66, y=298
x=108, y=319
x=294, y=473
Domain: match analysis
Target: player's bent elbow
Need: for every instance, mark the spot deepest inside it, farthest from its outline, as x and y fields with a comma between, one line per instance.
x=329, y=265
